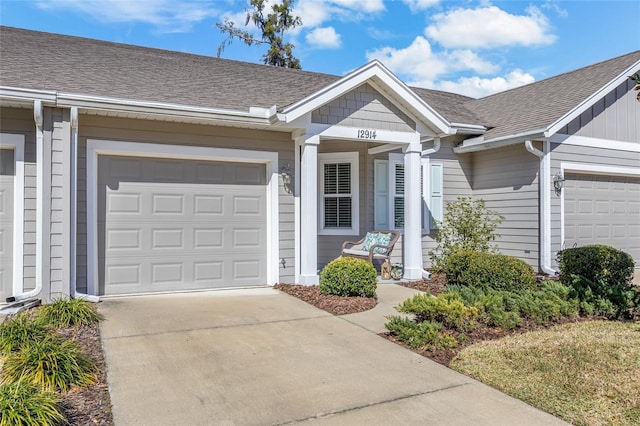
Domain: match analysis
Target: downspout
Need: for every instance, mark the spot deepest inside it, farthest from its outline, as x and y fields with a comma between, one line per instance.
x=544, y=193
x=74, y=211
x=37, y=118
x=427, y=152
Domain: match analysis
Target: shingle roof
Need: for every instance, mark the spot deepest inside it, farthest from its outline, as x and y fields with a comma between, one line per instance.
x=45, y=61
x=540, y=104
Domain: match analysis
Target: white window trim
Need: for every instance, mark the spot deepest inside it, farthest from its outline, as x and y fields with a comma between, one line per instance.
x=395, y=158
x=150, y=150
x=16, y=143
x=342, y=157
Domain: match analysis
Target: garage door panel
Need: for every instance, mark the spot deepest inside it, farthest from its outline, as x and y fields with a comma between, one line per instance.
x=603, y=210
x=188, y=231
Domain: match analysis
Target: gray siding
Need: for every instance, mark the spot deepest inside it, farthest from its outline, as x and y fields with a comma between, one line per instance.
x=507, y=179
x=94, y=127
x=20, y=121
x=59, y=132
x=583, y=155
x=363, y=107
x=616, y=117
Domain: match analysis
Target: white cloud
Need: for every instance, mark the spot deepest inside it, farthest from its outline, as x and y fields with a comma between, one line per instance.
x=326, y=38
x=316, y=12
x=419, y=62
x=489, y=27
x=165, y=15
x=419, y=5
x=477, y=87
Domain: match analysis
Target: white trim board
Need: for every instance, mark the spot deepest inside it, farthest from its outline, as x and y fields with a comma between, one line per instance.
x=595, y=143
x=136, y=149
x=16, y=143
x=590, y=169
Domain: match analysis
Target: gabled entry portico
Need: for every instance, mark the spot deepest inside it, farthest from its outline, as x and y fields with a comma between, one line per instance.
x=373, y=112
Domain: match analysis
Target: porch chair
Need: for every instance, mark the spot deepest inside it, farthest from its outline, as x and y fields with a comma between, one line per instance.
x=376, y=245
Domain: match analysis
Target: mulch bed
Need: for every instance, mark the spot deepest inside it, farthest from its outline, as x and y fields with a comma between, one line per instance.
x=348, y=305
x=336, y=305
x=90, y=405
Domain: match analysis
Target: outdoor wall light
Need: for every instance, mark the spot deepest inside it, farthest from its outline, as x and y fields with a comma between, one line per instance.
x=286, y=172
x=558, y=182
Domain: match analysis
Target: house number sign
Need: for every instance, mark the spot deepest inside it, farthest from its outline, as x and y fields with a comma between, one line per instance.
x=366, y=134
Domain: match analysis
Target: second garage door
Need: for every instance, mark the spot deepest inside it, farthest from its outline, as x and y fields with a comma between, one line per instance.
x=167, y=225
x=603, y=210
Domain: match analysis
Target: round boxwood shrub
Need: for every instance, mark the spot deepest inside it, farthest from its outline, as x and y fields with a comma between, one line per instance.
x=489, y=271
x=349, y=276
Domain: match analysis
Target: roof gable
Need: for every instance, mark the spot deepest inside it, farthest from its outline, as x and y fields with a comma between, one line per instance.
x=379, y=77
x=548, y=105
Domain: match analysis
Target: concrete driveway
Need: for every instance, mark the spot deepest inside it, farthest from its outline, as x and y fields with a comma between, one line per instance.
x=260, y=357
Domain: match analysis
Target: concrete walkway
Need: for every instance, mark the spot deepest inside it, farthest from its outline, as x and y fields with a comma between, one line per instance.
x=260, y=357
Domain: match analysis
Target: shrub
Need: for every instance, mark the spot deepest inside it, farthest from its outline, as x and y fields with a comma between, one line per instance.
x=489, y=271
x=467, y=226
x=600, y=277
x=51, y=364
x=23, y=404
x=19, y=331
x=349, y=276
x=69, y=312
x=420, y=335
x=446, y=308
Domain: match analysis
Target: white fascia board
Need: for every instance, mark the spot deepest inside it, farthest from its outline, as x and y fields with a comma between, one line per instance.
x=467, y=128
x=366, y=73
x=19, y=94
x=258, y=116
x=481, y=144
x=598, y=169
x=594, y=142
x=588, y=103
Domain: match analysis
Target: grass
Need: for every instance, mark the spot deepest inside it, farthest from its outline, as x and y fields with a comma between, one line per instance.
x=53, y=364
x=20, y=331
x=26, y=405
x=69, y=312
x=587, y=373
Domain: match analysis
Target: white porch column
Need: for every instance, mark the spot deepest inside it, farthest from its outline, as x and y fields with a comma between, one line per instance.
x=412, y=213
x=309, y=212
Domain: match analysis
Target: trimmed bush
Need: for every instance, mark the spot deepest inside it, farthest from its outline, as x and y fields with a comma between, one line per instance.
x=420, y=335
x=489, y=271
x=600, y=277
x=23, y=404
x=446, y=308
x=52, y=364
x=20, y=331
x=69, y=312
x=349, y=276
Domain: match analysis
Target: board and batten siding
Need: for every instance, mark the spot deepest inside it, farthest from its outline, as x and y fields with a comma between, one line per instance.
x=507, y=179
x=20, y=121
x=582, y=155
x=614, y=117
x=156, y=132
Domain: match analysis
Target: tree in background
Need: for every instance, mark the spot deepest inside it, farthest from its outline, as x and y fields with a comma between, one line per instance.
x=636, y=79
x=273, y=27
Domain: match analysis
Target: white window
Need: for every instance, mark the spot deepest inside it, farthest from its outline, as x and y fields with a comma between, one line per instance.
x=389, y=178
x=338, y=191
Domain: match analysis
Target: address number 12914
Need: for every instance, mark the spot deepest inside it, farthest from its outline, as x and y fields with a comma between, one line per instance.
x=366, y=134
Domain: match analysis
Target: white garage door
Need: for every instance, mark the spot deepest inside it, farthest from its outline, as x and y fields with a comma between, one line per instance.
x=169, y=225
x=7, y=173
x=603, y=210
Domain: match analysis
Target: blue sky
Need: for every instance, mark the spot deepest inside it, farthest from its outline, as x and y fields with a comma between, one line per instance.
x=469, y=47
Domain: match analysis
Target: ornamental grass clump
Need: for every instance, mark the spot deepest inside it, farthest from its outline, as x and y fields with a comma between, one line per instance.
x=349, y=276
x=52, y=364
x=69, y=312
x=19, y=331
x=24, y=404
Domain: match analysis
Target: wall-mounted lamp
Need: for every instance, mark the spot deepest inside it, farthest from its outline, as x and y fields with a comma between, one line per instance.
x=558, y=182
x=286, y=172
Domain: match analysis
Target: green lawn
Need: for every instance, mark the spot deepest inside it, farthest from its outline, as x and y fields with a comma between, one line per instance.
x=586, y=373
